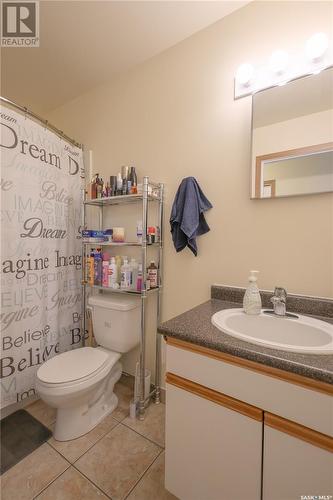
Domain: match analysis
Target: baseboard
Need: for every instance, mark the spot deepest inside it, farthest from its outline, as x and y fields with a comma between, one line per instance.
x=163, y=395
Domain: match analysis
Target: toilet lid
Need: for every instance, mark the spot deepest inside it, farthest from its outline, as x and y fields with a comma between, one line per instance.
x=72, y=365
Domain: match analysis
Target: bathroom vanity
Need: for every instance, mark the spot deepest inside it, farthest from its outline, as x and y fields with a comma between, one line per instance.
x=244, y=421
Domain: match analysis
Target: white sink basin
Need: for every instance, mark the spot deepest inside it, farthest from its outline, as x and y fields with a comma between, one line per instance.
x=301, y=334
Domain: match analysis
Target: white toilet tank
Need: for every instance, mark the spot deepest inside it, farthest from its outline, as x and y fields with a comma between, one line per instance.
x=116, y=321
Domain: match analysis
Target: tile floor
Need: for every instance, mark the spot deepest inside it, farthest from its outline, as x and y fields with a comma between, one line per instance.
x=120, y=459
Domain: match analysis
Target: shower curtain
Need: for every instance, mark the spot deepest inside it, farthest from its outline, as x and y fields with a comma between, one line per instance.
x=41, y=197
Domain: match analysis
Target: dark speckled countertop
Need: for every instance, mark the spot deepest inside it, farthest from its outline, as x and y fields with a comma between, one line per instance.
x=195, y=326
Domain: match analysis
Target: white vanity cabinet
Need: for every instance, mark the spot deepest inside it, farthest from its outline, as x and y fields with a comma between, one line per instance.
x=212, y=452
x=239, y=430
x=293, y=467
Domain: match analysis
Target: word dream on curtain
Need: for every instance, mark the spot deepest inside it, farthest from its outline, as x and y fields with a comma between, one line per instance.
x=41, y=203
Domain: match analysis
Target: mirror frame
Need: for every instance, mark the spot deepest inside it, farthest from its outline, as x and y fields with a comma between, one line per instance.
x=256, y=170
x=285, y=155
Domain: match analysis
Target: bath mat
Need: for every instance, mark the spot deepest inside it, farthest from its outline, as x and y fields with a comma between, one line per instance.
x=21, y=434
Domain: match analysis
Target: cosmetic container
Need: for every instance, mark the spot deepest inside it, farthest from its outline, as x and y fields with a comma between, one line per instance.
x=118, y=235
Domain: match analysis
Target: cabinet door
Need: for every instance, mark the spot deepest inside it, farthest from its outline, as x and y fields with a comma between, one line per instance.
x=212, y=452
x=294, y=468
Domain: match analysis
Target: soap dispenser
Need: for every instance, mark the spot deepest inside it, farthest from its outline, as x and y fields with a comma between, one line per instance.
x=252, y=299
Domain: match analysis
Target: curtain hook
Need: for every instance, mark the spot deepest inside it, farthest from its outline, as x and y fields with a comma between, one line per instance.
x=46, y=124
x=25, y=112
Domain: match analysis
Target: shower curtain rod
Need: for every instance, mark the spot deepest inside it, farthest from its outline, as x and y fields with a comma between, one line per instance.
x=48, y=125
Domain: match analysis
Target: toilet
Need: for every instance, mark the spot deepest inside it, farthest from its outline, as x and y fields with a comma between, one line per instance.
x=79, y=383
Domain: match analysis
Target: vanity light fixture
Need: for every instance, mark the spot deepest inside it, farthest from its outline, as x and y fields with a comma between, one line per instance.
x=279, y=61
x=316, y=47
x=283, y=67
x=245, y=74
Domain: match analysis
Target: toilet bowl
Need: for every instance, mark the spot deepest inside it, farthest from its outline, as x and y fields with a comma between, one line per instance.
x=80, y=383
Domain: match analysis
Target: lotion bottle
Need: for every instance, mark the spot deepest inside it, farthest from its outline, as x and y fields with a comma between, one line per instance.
x=125, y=275
x=105, y=269
x=252, y=299
x=113, y=274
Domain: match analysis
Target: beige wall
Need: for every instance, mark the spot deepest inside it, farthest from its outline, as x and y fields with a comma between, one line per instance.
x=174, y=116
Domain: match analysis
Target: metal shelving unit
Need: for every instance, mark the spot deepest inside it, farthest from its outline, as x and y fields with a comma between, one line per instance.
x=151, y=192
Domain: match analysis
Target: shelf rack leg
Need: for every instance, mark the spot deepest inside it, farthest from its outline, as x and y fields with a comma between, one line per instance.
x=143, y=298
x=159, y=300
x=83, y=273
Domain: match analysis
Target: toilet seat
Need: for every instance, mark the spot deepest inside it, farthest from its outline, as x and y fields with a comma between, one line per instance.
x=76, y=366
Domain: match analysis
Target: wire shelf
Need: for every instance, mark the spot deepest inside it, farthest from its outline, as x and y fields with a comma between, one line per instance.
x=156, y=193
x=113, y=244
x=119, y=290
x=119, y=200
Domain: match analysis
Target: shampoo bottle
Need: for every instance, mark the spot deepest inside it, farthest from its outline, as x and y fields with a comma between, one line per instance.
x=252, y=299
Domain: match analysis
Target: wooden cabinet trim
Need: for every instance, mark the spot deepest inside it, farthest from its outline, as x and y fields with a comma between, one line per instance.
x=299, y=431
x=270, y=371
x=215, y=396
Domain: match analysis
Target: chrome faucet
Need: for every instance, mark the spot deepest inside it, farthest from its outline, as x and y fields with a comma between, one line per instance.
x=279, y=300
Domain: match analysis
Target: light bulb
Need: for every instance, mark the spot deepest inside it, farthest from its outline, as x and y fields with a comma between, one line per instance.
x=278, y=61
x=316, y=46
x=244, y=74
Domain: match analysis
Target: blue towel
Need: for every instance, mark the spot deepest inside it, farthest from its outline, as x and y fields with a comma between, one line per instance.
x=187, y=218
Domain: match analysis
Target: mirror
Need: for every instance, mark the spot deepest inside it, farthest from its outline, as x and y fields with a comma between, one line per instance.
x=292, y=138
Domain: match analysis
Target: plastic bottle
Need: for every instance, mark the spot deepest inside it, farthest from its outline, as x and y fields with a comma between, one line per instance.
x=119, y=184
x=139, y=279
x=91, y=267
x=98, y=267
x=105, y=269
x=139, y=231
x=99, y=188
x=252, y=299
x=152, y=272
x=134, y=267
x=125, y=281
x=134, y=181
x=93, y=187
x=112, y=275
x=118, y=264
x=124, y=188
